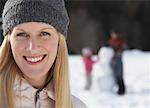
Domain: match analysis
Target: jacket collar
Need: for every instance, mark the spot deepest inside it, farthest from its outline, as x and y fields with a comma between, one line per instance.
x=23, y=88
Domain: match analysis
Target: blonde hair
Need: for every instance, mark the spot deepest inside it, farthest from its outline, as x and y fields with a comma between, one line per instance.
x=9, y=69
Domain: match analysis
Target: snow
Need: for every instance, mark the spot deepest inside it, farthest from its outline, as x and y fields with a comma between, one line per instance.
x=102, y=94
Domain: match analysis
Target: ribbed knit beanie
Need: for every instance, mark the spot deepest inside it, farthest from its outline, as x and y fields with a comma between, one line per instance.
x=52, y=12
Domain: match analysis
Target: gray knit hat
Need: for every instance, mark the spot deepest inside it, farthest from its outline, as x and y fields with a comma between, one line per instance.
x=52, y=12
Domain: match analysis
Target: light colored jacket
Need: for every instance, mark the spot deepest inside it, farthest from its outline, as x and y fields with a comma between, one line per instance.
x=27, y=96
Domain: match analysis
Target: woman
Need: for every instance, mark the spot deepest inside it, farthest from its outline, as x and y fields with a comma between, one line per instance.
x=33, y=56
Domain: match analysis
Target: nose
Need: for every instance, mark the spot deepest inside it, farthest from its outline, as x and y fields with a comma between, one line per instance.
x=32, y=44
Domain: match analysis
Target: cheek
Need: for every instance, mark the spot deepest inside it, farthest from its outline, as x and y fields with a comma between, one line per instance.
x=16, y=48
x=52, y=48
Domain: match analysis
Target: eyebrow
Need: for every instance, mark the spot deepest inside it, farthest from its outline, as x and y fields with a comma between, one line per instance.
x=47, y=28
x=39, y=30
x=19, y=29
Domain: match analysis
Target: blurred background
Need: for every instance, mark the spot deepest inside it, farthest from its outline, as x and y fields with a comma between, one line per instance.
x=91, y=22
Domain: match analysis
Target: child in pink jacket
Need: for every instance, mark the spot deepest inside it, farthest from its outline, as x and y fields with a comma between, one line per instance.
x=88, y=64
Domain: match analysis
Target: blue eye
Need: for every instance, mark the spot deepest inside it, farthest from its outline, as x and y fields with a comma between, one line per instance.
x=45, y=34
x=22, y=35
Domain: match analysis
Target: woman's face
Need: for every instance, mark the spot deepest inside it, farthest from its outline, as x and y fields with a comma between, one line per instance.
x=34, y=47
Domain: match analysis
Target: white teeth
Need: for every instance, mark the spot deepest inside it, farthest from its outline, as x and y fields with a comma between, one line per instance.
x=34, y=59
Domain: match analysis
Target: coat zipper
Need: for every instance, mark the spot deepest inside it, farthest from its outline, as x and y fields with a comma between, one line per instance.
x=37, y=96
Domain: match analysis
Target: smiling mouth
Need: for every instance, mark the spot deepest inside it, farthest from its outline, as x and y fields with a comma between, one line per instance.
x=34, y=59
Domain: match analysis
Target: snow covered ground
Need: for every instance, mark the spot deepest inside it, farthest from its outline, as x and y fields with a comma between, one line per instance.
x=102, y=94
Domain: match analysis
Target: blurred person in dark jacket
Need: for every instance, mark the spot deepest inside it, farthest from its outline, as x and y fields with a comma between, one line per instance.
x=118, y=46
